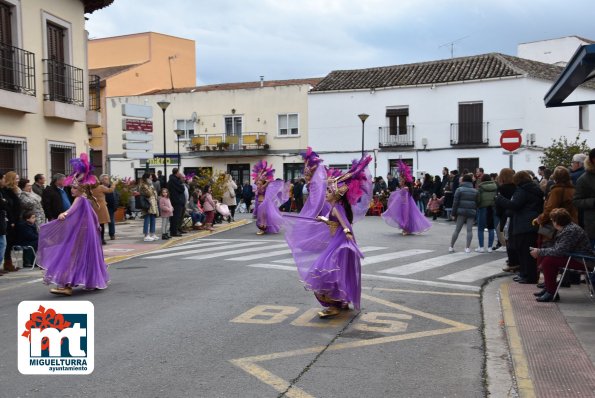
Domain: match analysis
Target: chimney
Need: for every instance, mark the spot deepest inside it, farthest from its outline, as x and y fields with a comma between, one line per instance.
x=261, y=81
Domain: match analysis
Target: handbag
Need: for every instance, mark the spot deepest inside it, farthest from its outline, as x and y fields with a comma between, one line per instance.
x=547, y=230
x=143, y=202
x=222, y=209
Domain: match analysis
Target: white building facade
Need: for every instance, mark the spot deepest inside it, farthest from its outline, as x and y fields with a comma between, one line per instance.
x=447, y=113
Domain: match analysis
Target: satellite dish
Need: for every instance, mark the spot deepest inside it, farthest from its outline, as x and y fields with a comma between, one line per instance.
x=194, y=117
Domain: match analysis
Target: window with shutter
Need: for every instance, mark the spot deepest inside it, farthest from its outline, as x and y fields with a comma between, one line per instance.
x=5, y=24
x=7, y=66
x=55, y=35
x=470, y=123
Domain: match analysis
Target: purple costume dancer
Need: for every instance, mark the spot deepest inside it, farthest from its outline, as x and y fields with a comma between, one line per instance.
x=269, y=196
x=401, y=210
x=324, y=249
x=69, y=248
x=315, y=176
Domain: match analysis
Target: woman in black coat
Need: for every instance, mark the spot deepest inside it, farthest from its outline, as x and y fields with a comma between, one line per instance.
x=525, y=205
x=11, y=192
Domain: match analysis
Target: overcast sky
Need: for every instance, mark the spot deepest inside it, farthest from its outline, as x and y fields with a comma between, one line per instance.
x=239, y=40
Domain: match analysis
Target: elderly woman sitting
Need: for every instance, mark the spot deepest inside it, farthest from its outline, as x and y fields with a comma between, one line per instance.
x=568, y=238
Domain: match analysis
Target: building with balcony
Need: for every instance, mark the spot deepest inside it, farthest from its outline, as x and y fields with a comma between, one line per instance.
x=442, y=113
x=221, y=127
x=135, y=64
x=44, y=84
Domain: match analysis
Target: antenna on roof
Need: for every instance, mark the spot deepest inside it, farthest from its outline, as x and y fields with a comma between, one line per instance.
x=451, y=44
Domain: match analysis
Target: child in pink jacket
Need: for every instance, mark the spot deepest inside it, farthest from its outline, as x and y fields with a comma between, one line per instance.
x=434, y=205
x=166, y=210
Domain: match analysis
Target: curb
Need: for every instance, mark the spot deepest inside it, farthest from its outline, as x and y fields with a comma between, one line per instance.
x=519, y=360
x=170, y=243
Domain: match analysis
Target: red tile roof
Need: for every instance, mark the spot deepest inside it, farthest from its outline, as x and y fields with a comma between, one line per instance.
x=239, y=86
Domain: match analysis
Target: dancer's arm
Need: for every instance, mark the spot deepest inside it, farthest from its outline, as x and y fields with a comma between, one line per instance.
x=344, y=224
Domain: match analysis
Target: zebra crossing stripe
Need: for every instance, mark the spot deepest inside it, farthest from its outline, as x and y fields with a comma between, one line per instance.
x=199, y=250
x=232, y=252
x=475, y=273
x=260, y=255
x=194, y=245
x=430, y=263
x=392, y=256
x=365, y=249
x=274, y=266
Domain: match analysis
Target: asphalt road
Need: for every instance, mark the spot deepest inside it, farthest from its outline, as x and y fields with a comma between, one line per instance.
x=236, y=322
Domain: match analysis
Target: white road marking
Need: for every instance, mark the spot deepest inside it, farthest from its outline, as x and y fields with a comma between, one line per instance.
x=239, y=240
x=199, y=250
x=274, y=266
x=261, y=255
x=231, y=252
x=427, y=264
x=475, y=273
x=365, y=249
x=391, y=256
x=35, y=281
x=186, y=247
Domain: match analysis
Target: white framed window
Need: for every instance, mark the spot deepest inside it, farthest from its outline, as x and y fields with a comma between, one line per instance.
x=57, y=38
x=187, y=126
x=233, y=125
x=288, y=124
x=583, y=117
x=10, y=15
x=13, y=155
x=59, y=155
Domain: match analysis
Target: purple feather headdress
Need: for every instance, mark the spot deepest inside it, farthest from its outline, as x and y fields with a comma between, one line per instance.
x=404, y=171
x=262, y=171
x=353, y=184
x=82, y=172
x=311, y=161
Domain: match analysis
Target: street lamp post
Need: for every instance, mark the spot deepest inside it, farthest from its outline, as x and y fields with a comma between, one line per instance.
x=163, y=105
x=363, y=117
x=179, y=133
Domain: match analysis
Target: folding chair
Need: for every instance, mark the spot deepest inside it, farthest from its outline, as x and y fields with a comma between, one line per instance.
x=584, y=258
x=18, y=254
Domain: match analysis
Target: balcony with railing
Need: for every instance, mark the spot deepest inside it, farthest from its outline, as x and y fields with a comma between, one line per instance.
x=248, y=143
x=396, y=136
x=469, y=134
x=17, y=79
x=64, y=89
x=93, y=113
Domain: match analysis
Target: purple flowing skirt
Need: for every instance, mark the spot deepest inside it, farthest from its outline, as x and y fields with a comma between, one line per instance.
x=360, y=209
x=401, y=212
x=70, y=251
x=267, y=213
x=316, y=194
x=328, y=264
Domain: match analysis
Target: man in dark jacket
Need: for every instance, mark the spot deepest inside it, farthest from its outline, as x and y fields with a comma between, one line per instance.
x=178, y=201
x=298, y=194
x=39, y=184
x=392, y=183
x=584, y=196
x=577, y=167
x=55, y=200
x=526, y=204
x=464, y=209
x=248, y=194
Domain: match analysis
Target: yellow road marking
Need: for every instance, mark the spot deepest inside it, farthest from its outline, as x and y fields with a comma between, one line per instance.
x=521, y=367
x=385, y=289
x=248, y=364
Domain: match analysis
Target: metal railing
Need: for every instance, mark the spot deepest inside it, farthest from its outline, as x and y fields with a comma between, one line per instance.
x=94, y=93
x=469, y=133
x=17, y=70
x=396, y=136
x=229, y=142
x=63, y=83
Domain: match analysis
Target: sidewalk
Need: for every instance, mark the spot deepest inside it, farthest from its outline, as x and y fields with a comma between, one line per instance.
x=552, y=345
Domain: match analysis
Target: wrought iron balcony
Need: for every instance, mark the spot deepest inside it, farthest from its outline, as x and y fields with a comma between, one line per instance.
x=393, y=136
x=469, y=133
x=228, y=142
x=63, y=83
x=94, y=93
x=17, y=70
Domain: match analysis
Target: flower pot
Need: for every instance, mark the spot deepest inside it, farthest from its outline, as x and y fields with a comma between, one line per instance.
x=120, y=214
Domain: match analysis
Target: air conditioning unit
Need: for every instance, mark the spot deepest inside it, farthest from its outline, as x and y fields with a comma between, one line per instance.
x=531, y=139
x=424, y=141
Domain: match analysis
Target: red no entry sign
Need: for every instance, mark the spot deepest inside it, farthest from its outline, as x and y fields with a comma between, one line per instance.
x=511, y=140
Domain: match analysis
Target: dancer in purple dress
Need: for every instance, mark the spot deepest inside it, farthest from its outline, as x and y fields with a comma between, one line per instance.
x=315, y=176
x=324, y=248
x=270, y=194
x=69, y=248
x=401, y=210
